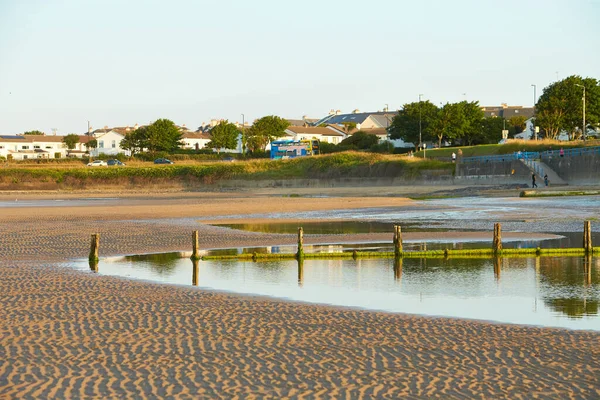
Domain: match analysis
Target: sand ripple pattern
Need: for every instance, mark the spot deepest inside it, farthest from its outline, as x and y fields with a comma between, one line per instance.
x=71, y=334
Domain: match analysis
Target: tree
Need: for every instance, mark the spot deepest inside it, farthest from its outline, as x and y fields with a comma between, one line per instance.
x=349, y=127
x=360, y=140
x=405, y=124
x=265, y=130
x=71, y=140
x=91, y=144
x=469, y=120
x=163, y=135
x=34, y=132
x=223, y=135
x=491, y=129
x=518, y=123
x=135, y=141
x=450, y=122
x=560, y=107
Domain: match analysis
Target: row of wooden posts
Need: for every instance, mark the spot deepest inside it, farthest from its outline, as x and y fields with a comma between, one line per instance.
x=397, y=241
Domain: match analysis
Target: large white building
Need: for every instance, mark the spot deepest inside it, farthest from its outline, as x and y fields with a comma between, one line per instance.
x=23, y=147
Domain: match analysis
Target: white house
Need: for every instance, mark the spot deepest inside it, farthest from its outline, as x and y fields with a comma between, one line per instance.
x=327, y=134
x=195, y=140
x=23, y=147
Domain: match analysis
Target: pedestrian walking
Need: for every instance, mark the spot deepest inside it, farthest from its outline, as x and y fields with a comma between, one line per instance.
x=453, y=157
x=546, y=179
x=533, y=184
x=561, y=152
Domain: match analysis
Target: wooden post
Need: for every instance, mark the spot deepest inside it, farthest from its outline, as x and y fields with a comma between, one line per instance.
x=300, y=253
x=195, y=250
x=497, y=243
x=94, y=265
x=587, y=237
x=587, y=269
x=497, y=264
x=94, y=247
x=195, y=271
x=397, y=240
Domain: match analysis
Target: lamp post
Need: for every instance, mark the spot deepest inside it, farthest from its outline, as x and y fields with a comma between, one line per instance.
x=583, y=99
x=243, y=136
x=534, y=100
x=420, y=139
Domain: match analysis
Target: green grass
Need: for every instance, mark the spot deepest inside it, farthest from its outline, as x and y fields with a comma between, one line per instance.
x=508, y=148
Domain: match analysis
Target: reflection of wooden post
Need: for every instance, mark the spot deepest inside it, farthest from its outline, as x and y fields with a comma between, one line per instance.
x=300, y=272
x=397, y=240
x=587, y=237
x=398, y=261
x=497, y=264
x=587, y=269
x=94, y=247
x=195, y=271
x=497, y=243
x=94, y=265
x=195, y=250
x=300, y=253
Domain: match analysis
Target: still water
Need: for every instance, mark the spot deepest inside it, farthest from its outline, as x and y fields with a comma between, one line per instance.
x=544, y=291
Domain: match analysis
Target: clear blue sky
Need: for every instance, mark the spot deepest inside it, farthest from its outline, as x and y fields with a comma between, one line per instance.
x=116, y=63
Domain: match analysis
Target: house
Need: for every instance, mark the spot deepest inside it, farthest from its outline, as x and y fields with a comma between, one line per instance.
x=362, y=120
x=23, y=147
x=195, y=140
x=305, y=121
x=329, y=134
x=505, y=111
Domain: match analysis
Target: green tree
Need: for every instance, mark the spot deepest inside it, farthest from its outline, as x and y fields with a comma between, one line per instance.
x=560, y=107
x=469, y=120
x=163, y=135
x=450, y=122
x=405, y=124
x=135, y=141
x=265, y=130
x=518, y=123
x=349, y=127
x=491, y=129
x=71, y=140
x=91, y=144
x=223, y=135
x=34, y=132
x=360, y=140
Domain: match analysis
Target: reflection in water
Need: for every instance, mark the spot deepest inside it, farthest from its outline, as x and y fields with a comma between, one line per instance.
x=195, y=271
x=500, y=289
x=300, y=271
x=330, y=227
x=398, y=261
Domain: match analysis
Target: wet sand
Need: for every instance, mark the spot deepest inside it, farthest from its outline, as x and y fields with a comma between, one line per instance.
x=66, y=333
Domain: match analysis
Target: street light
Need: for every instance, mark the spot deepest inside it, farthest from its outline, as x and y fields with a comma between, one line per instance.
x=583, y=99
x=534, y=100
x=243, y=136
x=420, y=140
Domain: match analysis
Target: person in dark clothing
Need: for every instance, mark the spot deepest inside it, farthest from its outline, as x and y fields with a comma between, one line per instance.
x=533, y=184
x=546, y=179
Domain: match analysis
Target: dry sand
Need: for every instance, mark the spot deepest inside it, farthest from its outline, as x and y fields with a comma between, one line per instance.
x=66, y=333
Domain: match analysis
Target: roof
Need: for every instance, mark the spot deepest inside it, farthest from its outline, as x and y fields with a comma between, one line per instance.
x=196, y=135
x=39, y=139
x=357, y=118
x=315, y=130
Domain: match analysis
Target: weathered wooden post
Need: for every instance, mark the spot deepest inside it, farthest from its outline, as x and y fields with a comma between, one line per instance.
x=195, y=271
x=587, y=269
x=300, y=253
x=94, y=265
x=397, y=241
x=497, y=243
x=195, y=250
x=94, y=247
x=587, y=237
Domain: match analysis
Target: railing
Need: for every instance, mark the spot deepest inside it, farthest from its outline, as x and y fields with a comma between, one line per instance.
x=533, y=155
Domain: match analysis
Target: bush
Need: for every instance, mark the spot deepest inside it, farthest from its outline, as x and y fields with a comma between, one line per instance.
x=383, y=147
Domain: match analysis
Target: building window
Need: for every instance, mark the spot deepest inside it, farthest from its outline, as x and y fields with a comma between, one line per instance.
x=1, y=147
x=101, y=144
x=25, y=147
x=48, y=147
x=24, y=157
x=114, y=144
x=36, y=147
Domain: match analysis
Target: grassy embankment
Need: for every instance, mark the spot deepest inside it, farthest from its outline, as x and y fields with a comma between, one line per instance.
x=193, y=175
x=472, y=253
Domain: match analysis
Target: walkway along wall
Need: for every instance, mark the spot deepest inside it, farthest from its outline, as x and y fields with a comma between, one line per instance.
x=581, y=169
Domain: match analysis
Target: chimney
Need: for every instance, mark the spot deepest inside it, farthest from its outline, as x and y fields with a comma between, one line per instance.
x=355, y=111
x=105, y=126
x=338, y=112
x=332, y=112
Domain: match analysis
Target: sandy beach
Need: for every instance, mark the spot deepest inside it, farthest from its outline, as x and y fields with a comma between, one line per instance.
x=71, y=334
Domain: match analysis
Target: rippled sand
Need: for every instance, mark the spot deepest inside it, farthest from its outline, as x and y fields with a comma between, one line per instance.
x=66, y=333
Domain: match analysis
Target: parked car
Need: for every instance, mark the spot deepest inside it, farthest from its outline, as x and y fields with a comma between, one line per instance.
x=229, y=159
x=115, y=162
x=97, y=163
x=163, y=161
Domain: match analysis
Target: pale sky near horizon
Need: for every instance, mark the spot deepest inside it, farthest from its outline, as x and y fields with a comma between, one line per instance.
x=116, y=63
